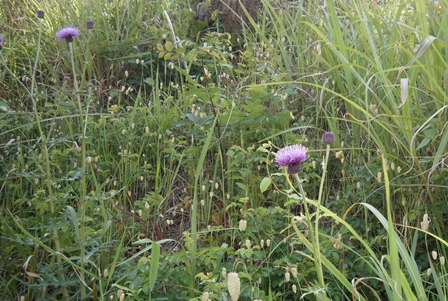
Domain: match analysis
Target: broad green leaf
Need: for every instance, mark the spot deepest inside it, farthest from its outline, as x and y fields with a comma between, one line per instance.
x=169, y=46
x=265, y=184
x=154, y=268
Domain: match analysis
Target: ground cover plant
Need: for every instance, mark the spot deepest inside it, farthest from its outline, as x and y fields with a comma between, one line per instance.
x=144, y=157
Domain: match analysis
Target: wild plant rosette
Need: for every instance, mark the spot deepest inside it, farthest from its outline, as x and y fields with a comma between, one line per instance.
x=292, y=157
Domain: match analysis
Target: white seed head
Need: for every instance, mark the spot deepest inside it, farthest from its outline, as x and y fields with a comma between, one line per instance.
x=233, y=285
x=294, y=272
x=248, y=243
x=119, y=293
x=268, y=243
x=287, y=276
x=434, y=255
x=242, y=225
x=425, y=223
x=205, y=296
x=294, y=288
x=262, y=243
x=442, y=260
x=224, y=273
x=379, y=175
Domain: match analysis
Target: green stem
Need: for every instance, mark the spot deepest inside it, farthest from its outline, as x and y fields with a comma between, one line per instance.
x=83, y=123
x=47, y=167
x=314, y=238
x=194, y=206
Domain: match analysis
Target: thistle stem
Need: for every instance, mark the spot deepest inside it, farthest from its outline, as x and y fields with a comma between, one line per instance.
x=82, y=195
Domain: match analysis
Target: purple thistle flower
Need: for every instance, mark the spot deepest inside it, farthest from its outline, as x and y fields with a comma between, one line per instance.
x=1, y=41
x=68, y=33
x=328, y=138
x=292, y=156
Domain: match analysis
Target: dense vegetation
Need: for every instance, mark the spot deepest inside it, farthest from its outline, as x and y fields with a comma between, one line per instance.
x=138, y=161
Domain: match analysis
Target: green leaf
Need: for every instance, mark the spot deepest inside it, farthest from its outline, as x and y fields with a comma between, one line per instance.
x=169, y=46
x=154, y=268
x=265, y=184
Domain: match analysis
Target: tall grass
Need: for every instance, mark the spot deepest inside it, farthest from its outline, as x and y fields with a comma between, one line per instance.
x=112, y=148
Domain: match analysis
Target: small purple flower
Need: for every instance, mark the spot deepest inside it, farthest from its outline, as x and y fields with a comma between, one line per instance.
x=1, y=41
x=40, y=14
x=328, y=138
x=68, y=33
x=292, y=156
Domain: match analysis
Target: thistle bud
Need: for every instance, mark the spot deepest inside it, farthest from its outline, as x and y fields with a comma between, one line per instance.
x=40, y=14
x=90, y=24
x=328, y=138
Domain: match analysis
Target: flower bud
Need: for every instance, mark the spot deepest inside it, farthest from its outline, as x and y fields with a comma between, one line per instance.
x=90, y=24
x=40, y=14
x=328, y=138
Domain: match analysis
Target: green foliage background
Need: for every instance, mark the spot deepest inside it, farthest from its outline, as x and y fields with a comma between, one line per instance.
x=132, y=139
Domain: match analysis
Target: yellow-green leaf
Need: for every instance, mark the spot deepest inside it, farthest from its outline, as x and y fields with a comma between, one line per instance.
x=169, y=46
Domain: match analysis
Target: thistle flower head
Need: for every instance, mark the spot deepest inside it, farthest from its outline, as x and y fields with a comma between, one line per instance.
x=40, y=14
x=68, y=33
x=292, y=156
x=328, y=138
x=1, y=41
